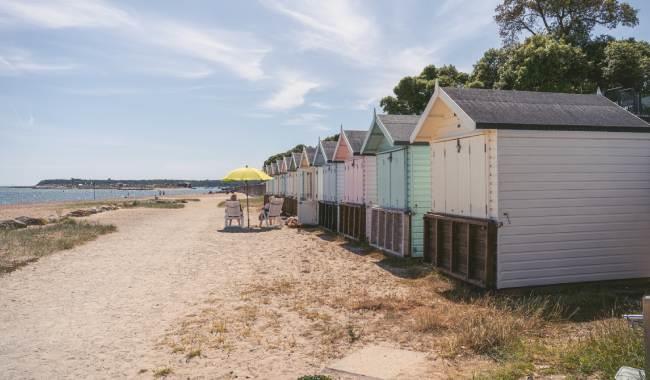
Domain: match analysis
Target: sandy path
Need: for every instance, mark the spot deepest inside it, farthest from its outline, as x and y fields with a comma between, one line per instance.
x=97, y=311
x=276, y=304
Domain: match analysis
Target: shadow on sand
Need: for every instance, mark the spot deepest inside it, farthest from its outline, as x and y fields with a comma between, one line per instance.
x=245, y=230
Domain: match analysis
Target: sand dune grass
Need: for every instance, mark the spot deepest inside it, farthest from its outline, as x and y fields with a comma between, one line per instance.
x=336, y=299
x=20, y=247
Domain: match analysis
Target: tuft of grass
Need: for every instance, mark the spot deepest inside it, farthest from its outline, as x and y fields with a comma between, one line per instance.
x=21, y=247
x=486, y=332
x=151, y=203
x=428, y=320
x=162, y=372
x=196, y=353
x=608, y=346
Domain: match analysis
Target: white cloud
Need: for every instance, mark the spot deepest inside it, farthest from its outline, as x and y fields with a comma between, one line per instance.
x=239, y=52
x=23, y=63
x=319, y=105
x=338, y=26
x=291, y=94
x=110, y=91
x=304, y=118
x=65, y=13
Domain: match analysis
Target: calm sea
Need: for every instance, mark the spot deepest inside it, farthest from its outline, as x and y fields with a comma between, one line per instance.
x=13, y=195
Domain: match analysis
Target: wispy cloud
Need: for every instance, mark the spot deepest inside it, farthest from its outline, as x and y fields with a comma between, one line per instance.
x=304, y=119
x=291, y=93
x=239, y=52
x=320, y=106
x=65, y=13
x=348, y=29
x=338, y=26
x=99, y=91
x=15, y=64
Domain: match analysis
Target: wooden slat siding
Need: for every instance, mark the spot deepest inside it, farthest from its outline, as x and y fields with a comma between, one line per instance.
x=328, y=215
x=390, y=230
x=370, y=180
x=578, y=206
x=353, y=221
x=340, y=181
x=463, y=247
x=419, y=194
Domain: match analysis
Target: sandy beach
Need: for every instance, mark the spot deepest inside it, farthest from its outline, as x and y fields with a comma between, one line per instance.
x=275, y=303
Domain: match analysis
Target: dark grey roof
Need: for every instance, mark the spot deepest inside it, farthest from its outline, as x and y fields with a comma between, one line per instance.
x=310, y=152
x=356, y=139
x=400, y=127
x=296, y=158
x=329, y=147
x=492, y=109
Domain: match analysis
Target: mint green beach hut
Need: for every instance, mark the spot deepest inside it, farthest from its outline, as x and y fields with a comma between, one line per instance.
x=403, y=185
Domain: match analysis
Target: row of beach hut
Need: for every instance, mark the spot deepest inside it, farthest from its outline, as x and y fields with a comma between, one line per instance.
x=497, y=188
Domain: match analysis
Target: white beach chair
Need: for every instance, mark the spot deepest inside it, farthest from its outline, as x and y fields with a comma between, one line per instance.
x=233, y=211
x=275, y=209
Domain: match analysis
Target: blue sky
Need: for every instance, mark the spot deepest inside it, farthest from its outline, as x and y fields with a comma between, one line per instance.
x=191, y=89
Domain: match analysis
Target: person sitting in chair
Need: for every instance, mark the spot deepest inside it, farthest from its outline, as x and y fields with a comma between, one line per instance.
x=264, y=213
x=233, y=197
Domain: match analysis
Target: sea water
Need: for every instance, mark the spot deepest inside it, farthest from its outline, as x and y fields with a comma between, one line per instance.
x=16, y=195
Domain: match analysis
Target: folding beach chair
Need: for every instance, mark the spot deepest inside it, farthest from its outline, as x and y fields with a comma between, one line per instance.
x=275, y=209
x=233, y=211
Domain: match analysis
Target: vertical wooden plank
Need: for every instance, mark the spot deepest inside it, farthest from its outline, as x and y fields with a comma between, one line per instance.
x=646, y=327
x=468, y=250
x=491, y=251
x=434, y=242
x=450, y=239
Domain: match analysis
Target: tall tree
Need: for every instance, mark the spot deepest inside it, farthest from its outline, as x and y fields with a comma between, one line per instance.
x=486, y=70
x=543, y=63
x=571, y=20
x=627, y=64
x=413, y=93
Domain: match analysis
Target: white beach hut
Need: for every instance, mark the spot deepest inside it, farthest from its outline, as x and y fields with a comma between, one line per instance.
x=332, y=184
x=360, y=183
x=307, y=203
x=532, y=188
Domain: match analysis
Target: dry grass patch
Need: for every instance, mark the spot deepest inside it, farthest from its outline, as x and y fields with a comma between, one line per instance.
x=162, y=372
x=275, y=287
x=429, y=320
x=20, y=247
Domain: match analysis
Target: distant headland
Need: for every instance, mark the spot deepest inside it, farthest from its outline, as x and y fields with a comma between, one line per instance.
x=128, y=184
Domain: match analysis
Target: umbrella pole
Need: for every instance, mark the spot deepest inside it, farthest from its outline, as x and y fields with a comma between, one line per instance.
x=248, y=211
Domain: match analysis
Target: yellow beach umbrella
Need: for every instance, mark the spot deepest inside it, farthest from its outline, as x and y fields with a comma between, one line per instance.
x=246, y=174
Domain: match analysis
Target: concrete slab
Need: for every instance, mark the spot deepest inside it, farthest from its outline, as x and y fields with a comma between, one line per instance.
x=378, y=362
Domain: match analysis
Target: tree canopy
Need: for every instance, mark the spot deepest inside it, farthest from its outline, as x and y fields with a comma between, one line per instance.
x=558, y=54
x=412, y=93
x=571, y=20
x=543, y=63
x=627, y=64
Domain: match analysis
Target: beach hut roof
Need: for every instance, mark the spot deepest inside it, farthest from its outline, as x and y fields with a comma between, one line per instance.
x=318, y=158
x=355, y=139
x=396, y=129
x=494, y=109
x=531, y=110
x=309, y=152
x=294, y=161
x=328, y=148
x=399, y=127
